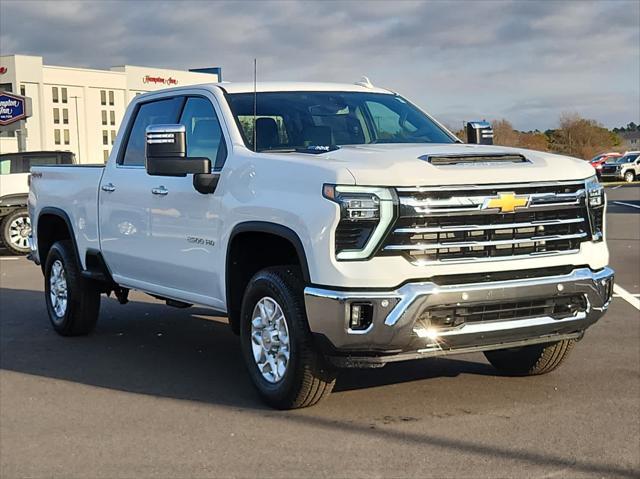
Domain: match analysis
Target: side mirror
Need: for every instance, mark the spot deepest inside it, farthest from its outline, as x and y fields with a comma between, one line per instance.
x=479, y=133
x=166, y=153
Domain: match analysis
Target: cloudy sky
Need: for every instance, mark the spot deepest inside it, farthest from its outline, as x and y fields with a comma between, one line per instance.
x=526, y=61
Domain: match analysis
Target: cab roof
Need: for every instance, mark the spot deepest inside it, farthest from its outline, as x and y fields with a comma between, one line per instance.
x=247, y=87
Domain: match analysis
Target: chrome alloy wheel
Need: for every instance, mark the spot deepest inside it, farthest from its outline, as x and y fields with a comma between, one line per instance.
x=58, y=289
x=19, y=231
x=270, y=339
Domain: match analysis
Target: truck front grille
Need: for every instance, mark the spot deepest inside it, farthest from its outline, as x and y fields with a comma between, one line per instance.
x=450, y=316
x=436, y=225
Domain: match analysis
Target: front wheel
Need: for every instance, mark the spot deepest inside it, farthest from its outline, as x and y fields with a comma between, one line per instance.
x=530, y=360
x=276, y=342
x=629, y=176
x=16, y=228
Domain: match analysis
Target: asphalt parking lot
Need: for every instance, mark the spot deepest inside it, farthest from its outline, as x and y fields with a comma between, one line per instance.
x=162, y=392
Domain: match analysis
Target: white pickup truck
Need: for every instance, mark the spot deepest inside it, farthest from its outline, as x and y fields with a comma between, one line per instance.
x=334, y=225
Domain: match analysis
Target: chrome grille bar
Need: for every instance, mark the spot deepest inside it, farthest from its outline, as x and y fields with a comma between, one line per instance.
x=498, y=226
x=471, y=244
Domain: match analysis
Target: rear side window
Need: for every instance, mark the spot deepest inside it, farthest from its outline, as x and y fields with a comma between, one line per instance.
x=152, y=113
x=11, y=166
x=204, y=135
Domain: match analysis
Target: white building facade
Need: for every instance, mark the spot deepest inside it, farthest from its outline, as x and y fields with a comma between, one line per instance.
x=79, y=109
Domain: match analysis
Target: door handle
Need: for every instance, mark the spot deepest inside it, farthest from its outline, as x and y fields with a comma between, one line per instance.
x=109, y=187
x=160, y=190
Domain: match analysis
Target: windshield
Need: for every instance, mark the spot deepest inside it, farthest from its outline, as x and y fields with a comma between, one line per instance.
x=300, y=120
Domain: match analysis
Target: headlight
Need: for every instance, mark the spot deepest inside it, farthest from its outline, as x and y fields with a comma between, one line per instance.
x=595, y=205
x=365, y=216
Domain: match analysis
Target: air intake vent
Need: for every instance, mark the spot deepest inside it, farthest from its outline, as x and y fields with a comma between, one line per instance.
x=448, y=160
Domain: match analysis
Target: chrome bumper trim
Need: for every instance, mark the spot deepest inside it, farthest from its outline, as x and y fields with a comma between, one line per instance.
x=393, y=327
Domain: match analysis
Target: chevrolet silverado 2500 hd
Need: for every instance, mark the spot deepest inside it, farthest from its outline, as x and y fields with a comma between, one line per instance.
x=335, y=226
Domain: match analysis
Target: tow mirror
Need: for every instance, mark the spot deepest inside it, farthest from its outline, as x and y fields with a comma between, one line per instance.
x=479, y=133
x=166, y=153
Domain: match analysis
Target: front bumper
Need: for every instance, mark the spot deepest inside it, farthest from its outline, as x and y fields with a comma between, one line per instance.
x=398, y=330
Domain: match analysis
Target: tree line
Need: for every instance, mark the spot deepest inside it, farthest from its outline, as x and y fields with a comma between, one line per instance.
x=575, y=136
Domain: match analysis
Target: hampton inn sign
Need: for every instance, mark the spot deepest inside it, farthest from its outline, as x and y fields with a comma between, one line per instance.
x=159, y=80
x=12, y=108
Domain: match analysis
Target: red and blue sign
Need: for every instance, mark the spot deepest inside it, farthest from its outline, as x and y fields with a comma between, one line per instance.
x=12, y=108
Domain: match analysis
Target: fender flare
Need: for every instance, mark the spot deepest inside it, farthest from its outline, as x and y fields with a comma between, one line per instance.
x=53, y=211
x=276, y=230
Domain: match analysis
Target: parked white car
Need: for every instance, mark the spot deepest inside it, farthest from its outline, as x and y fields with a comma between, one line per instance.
x=15, y=226
x=335, y=225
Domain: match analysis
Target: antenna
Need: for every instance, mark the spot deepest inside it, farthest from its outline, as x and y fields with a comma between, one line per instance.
x=255, y=103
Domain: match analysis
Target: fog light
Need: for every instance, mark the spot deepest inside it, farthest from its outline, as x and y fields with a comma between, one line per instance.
x=361, y=316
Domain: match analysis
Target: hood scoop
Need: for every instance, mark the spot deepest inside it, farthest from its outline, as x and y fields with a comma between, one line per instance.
x=473, y=159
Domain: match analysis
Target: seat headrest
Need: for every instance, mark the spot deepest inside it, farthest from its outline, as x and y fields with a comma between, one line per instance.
x=266, y=133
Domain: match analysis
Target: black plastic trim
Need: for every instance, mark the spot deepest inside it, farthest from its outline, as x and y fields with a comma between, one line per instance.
x=53, y=211
x=276, y=230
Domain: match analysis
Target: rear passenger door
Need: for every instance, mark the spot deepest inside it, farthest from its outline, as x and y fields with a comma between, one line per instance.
x=125, y=201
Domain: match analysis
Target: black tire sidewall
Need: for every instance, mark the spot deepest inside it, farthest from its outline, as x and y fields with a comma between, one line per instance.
x=264, y=285
x=6, y=223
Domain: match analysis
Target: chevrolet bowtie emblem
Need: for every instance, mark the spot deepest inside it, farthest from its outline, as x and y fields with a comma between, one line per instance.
x=507, y=202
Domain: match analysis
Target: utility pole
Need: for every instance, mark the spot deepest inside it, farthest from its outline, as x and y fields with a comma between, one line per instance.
x=75, y=99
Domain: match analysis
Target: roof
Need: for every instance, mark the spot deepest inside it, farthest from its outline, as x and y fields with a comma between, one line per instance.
x=247, y=87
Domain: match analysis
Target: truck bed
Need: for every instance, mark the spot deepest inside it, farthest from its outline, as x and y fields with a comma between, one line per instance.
x=73, y=189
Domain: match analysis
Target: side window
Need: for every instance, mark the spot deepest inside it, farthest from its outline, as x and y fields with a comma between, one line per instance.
x=204, y=135
x=153, y=113
x=5, y=166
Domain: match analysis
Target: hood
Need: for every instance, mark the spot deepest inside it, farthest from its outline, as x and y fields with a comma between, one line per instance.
x=400, y=165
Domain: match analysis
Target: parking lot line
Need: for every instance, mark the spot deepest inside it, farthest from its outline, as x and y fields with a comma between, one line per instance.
x=626, y=204
x=627, y=296
x=10, y=258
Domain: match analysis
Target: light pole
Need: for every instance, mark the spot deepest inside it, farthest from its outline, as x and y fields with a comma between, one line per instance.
x=75, y=100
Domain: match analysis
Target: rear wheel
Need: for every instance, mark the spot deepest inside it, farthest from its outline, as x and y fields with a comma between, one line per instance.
x=530, y=360
x=73, y=302
x=16, y=228
x=276, y=342
x=629, y=176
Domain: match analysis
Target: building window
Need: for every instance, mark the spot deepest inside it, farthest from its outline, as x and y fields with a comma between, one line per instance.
x=104, y=117
x=65, y=116
x=103, y=97
x=54, y=93
x=56, y=116
x=111, y=98
x=23, y=90
x=64, y=95
x=113, y=136
x=56, y=137
x=113, y=117
x=105, y=137
x=66, y=137
x=105, y=155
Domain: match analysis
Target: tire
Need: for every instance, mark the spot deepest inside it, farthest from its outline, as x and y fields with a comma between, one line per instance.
x=74, y=304
x=16, y=228
x=530, y=360
x=629, y=177
x=305, y=378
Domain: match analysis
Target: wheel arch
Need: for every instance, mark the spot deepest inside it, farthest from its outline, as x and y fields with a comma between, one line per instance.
x=54, y=225
x=286, y=247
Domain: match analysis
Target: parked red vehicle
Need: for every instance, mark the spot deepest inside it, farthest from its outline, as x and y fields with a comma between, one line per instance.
x=601, y=159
